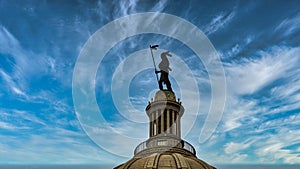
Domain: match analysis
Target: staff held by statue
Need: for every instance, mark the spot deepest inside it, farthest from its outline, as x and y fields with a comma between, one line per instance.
x=164, y=68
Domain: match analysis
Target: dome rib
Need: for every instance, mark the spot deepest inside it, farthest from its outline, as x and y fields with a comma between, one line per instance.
x=156, y=160
x=150, y=162
x=129, y=163
x=166, y=160
x=181, y=163
x=177, y=162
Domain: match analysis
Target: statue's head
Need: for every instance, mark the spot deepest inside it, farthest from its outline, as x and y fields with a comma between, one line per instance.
x=165, y=54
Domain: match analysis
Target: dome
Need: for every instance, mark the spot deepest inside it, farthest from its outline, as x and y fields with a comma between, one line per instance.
x=163, y=95
x=165, y=149
x=166, y=160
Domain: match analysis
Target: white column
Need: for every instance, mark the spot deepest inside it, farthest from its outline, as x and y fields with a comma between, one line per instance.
x=162, y=121
x=173, y=123
x=156, y=121
x=168, y=121
x=178, y=126
x=152, y=124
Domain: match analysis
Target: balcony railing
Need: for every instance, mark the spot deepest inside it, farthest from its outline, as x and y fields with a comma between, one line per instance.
x=163, y=142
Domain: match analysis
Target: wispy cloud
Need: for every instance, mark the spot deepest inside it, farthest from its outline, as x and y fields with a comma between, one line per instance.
x=237, y=48
x=252, y=74
x=37, y=147
x=7, y=126
x=219, y=22
x=10, y=84
x=246, y=112
x=28, y=64
x=275, y=146
x=127, y=7
x=288, y=91
x=259, y=123
x=232, y=147
x=268, y=148
x=250, y=77
x=28, y=116
x=18, y=120
x=290, y=120
x=289, y=26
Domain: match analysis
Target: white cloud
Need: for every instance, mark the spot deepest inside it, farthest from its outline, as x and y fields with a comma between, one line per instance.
x=28, y=64
x=11, y=84
x=219, y=22
x=7, y=41
x=160, y=6
x=289, y=25
x=268, y=148
x=215, y=157
x=127, y=7
x=232, y=147
x=27, y=116
x=7, y=126
x=17, y=91
x=237, y=158
x=248, y=114
x=74, y=150
x=291, y=121
x=247, y=78
x=236, y=110
x=20, y=120
x=253, y=74
x=237, y=48
x=119, y=138
x=273, y=148
x=288, y=92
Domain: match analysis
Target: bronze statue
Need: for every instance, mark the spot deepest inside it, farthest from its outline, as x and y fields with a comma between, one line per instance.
x=164, y=71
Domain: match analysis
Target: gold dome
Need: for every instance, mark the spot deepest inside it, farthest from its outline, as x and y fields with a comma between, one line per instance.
x=166, y=160
x=165, y=149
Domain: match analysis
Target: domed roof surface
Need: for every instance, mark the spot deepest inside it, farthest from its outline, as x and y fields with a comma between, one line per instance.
x=165, y=149
x=166, y=160
x=164, y=95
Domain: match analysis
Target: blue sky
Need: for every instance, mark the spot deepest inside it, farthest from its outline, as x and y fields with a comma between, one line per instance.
x=258, y=45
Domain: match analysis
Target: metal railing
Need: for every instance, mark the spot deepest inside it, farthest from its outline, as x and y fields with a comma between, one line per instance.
x=165, y=143
x=189, y=147
x=142, y=146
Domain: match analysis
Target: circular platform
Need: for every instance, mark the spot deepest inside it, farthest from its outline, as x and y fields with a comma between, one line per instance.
x=164, y=95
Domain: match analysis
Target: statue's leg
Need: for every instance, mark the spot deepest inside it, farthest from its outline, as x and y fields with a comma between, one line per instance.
x=160, y=84
x=168, y=83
